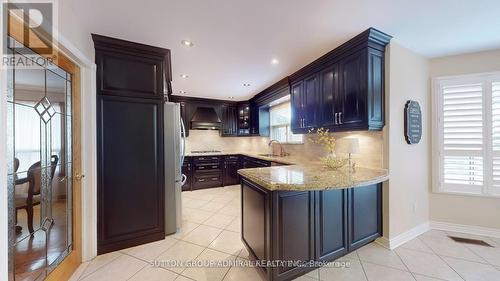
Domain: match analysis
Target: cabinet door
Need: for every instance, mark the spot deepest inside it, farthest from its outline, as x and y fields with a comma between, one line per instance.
x=254, y=120
x=352, y=103
x=310, y=102
x=365, y=215
x=296, y=106
x=231, y=173
x=186, y=170
x=331, y=224
x=233, y=117
x=228, y=121
x=329, y=84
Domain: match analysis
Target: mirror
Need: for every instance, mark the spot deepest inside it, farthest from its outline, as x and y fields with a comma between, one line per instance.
x=39, y=167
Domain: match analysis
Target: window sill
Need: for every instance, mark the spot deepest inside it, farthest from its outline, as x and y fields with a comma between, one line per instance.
x=494, y=196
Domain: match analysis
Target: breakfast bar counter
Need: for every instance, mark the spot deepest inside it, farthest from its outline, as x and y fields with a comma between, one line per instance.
x=294, y=218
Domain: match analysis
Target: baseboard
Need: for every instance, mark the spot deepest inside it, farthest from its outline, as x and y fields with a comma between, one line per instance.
x=403, y=237
x=468, y=229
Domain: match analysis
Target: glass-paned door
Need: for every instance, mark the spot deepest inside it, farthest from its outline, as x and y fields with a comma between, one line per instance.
x=40, y=157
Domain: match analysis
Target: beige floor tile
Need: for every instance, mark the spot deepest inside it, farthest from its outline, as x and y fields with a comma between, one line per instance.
x=181, y=252
x=353, y=271
x=182, y=278
x=149, y=273
x=313, y=274
x=212, y=206
x=194, y=203
x=228, y=242
x=447, y=247
x=230, y=210
x=198, y=217
x=235, y=225
x=219, y=220
x=207, y=196
x=427, y=264
x=207, y=272
x=419, y=277
x=377, y=254
x=376, y=272
x=122, y=268
x=100, y=261
x=223, y=198
x=79, y=271
x=203, y=235
x=472, y=271
x=244, y=254
x=244, y=274
x=304, y=278
x=186, y=227
x=490, y=254
x=352, y=255
x=150, y=251
x=416, y=244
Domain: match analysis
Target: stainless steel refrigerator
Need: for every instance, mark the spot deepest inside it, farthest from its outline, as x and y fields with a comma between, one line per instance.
x=175, y=150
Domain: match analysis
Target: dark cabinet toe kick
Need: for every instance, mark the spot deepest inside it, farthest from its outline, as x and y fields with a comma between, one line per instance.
x=294, y=232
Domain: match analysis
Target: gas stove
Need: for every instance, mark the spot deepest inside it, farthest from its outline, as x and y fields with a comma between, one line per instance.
x=205, y=151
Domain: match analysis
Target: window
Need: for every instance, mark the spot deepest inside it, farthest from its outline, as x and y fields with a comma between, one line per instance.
x=466, y=134
x=280, y=124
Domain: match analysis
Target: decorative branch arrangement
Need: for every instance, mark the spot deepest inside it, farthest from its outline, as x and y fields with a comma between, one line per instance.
x=323, y=138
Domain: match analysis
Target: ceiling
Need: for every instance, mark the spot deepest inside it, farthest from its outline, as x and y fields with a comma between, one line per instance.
x=235, y=40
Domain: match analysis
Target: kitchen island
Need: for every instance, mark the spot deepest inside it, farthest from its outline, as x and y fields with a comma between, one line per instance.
x=295, y=217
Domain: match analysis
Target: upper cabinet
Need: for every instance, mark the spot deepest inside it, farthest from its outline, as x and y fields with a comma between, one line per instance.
x=344, y=89
x=244, y=119
x=229, y=120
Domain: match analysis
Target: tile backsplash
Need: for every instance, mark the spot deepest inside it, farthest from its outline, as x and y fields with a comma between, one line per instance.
x=370, y=144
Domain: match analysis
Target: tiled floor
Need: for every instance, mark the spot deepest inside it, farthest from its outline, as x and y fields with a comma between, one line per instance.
x=211, y=232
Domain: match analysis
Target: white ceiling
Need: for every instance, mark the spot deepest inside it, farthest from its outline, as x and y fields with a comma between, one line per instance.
x=235, y=40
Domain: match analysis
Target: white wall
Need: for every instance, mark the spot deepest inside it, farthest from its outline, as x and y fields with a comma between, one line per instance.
x=407, y=192
x=457, y=209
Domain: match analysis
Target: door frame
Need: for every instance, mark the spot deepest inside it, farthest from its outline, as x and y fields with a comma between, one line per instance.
x=71, y=262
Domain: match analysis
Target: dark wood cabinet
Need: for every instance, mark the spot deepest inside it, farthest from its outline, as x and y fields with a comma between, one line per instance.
x=184, y=116
x=250, y=162
x=207, y=172
x=130, y=138
x=186, y=170
x=254, y=119
x=307, y=225
x=244, y=119
x=229, y=121
x=331, y=224
x=231, y=166
x=364, y=215
x=329, y=87
x=344, y=89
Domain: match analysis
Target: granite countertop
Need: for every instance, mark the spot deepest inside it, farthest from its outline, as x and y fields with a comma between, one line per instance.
x=313, y=176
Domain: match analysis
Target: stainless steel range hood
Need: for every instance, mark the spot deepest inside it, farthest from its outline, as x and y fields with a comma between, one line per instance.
x=205, y=118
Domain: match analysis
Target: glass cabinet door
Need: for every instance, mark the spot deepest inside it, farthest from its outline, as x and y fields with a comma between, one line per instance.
x=39, y=165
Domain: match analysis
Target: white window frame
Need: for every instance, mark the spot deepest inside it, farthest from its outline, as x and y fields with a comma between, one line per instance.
x=287, y=126
x=486, y=79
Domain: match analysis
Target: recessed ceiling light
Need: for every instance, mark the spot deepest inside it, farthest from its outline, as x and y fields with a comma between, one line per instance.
x=184, y=76
x=246, y=84
x=275, y=61
x=231, y=97
x=187, y=43
x=182, y=92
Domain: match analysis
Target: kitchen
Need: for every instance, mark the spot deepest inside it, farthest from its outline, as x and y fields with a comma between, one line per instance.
x=226, y=142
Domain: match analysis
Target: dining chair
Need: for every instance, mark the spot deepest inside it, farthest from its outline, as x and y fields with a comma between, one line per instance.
x=32, y=198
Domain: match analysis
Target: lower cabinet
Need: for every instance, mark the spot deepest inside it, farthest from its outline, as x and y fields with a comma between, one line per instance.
x=307, y=225
x=231, y=166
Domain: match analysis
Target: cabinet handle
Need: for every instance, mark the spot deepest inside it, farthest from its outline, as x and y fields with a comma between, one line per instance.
x=335, y=118
x=340, y=118
x=215, y=167
x=215, y=179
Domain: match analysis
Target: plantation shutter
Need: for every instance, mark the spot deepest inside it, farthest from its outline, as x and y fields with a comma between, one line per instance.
x=495, y=126
x=462, y=138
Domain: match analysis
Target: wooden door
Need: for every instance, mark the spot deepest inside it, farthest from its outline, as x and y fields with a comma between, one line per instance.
x=69, y=167
x=130, y=140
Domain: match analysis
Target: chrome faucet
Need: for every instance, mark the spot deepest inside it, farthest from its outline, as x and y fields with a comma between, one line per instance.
x=282, y=151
